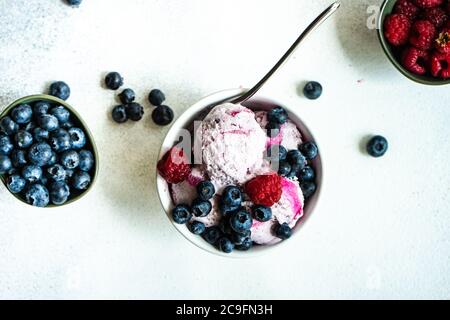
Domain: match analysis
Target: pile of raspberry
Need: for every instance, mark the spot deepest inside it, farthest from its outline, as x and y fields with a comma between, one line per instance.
x=419, y=30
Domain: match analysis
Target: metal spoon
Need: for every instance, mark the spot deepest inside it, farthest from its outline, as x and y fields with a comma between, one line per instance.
x=313, y=26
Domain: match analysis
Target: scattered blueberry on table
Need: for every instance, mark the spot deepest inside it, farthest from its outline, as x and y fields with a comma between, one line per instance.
x=45, y=157
x=113, y=80
x=312, y=90
x=377, y=146
x=162, y=115
x=73, y=2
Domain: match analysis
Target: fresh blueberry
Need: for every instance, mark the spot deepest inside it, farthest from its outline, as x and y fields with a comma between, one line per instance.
x=296, y=157
x=272, y=129
x=309, y=150
x=86, y=160
x=69, y=175
x=224, y=225
x=53, y=160
x=40, y=135
x=60, y=89
x=23, y=139
x=306, y=174
x=40, y=108
x=156, y=97
x=22, y=114
x=40, y=154
x=277, y=152
x=284, y=168
x=61, y=113
x=227, y=210
x=113, y=80
x=81, y=180
x=32, y=173
x=119, y=114
x=67, y=125
x=201, y=208
x=48, y=122
x=30, y=126
x=37, y=195
x=205, y=190
x=283, y=231
x=127, y=96
x=212, y=235
x=197, y=227
x=8, y=126
x=5, y=145
x=277, y=115
x=225, y=245
x=308, y=188
x=246, y=245
x=74, y=2
x=77, y=137
x=231, y=196
x=19, y=158
x=135, y=111
x=377, y=146
x=70, y=159
x=181, y=214
x=43, y=180
x=262, y=213
x=312, y=90
x=16, y=183
x=241, y=221
x=59, y=192
x=60, y=140
x=56, y=172
x=239, y=238
x=162, y=115
x=5, y=164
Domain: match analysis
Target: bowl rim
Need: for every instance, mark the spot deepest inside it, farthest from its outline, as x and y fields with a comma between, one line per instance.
x=219, y=97
x=45, y=97
x=425, y=80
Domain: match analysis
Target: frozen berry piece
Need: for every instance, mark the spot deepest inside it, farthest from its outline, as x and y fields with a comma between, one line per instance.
x=22, y=114
x=156, y=97
x=205, y=190
x=162, y=115
x=283, y=231
x=428, y=3
x=422, y=34
x=60, y=89
x=127, y=96
x=440, y=65
x=264, y=189
x=262, y=213
x=201, y=208
x=442, y=43
x=113, y=80
x=437, y=16
x=231, y=197
x=396, y=29
x=119, y=114
x=174, y=166
x=241, y=221
x=415, y=60
x=377, y=146
x=135, y=111
x=407, y=8
x=312, y=90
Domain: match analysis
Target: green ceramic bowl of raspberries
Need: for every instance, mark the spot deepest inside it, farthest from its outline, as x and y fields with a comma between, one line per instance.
x=48, y=156
x=415, y=35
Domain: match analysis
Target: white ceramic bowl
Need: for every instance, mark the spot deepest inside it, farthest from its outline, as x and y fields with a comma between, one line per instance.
x=193, y=113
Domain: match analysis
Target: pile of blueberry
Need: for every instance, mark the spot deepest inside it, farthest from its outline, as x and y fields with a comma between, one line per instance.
x=293, y=163
x=44, y=153
x=234, y=229
x=130, y=110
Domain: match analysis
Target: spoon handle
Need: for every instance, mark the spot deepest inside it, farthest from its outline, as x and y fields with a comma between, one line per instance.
x=313, y=26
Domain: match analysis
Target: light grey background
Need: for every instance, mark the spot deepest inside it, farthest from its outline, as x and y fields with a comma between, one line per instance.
x=381, y=229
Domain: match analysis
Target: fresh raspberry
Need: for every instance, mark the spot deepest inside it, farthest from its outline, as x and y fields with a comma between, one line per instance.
x=440, y=65
x=443, y=41
x=437, y=16
x=396, y=29
x=422, y=34
x=428, y=3
x=407, y=8
x=264, y=190
x=174, y=166
x=415, y=60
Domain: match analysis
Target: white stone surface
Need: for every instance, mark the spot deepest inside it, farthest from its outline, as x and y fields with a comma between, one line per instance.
x=381, y=230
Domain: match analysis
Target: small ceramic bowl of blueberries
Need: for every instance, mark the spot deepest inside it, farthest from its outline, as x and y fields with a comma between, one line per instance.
x=48, y=156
